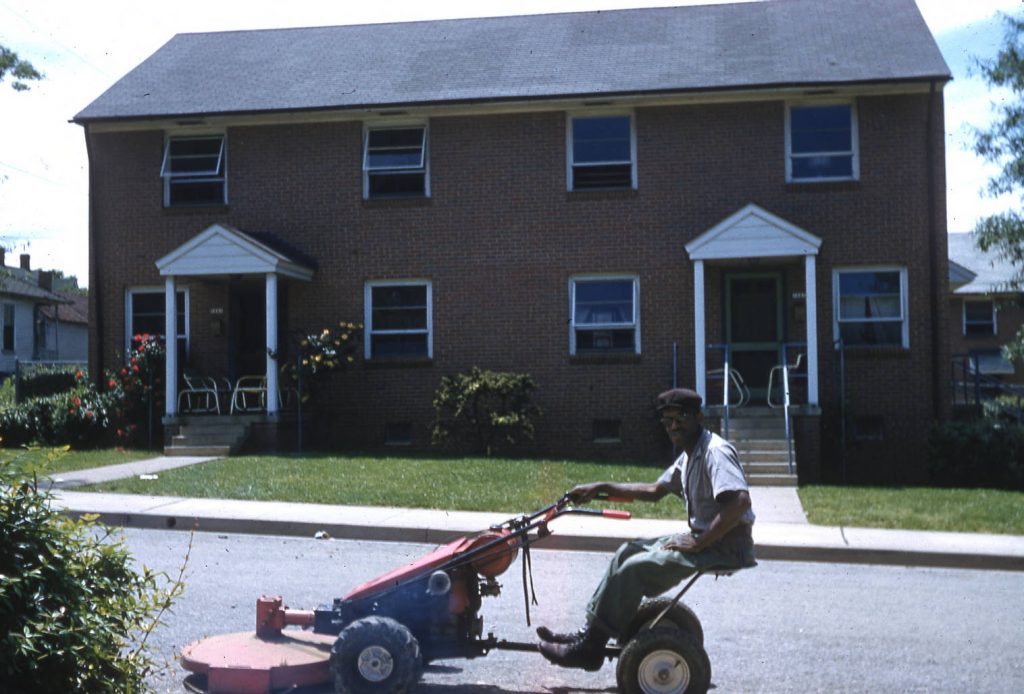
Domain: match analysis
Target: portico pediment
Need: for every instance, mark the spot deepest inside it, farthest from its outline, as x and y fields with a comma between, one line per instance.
x=753, y=232
x=224, y=250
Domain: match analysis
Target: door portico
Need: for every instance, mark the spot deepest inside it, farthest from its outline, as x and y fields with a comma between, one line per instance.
x=754, y=233
x=222, y=250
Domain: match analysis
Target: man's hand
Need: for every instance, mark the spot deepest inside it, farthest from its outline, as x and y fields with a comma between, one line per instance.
x=684, y=542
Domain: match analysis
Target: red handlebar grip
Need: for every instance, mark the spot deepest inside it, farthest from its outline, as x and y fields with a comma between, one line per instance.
x=621, y=515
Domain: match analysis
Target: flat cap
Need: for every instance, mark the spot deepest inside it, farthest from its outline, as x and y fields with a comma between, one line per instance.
x=682, y=398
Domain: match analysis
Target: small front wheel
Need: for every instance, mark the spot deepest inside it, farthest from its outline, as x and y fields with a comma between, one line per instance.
x=663, y=661
x=375, y=655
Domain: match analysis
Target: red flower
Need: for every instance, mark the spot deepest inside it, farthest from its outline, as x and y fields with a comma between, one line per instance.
x=135, y=368
x=120, y=433
x=88, y=414
x=79, y=375
x=112, y=383
x=124, y=371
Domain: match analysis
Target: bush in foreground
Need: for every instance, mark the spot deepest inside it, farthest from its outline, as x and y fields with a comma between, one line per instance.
x=74, y=612
x=486, y=408
x=979, y=453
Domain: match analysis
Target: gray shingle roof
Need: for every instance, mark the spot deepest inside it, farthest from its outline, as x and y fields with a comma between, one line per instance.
x=711, y=47
x=991, y=274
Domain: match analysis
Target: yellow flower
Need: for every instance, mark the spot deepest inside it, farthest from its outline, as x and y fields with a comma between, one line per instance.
x=350, y=359
x=318, y=357
x=305, y=362
x=345, y=336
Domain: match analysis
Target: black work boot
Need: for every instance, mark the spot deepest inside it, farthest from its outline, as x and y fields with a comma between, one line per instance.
x=584, y=651
x=546, y=634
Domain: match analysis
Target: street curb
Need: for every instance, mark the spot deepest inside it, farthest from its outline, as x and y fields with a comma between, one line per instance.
x=556, y=541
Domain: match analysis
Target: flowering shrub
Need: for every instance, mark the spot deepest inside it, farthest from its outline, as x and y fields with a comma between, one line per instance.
x=85, y=417
x=318, y=355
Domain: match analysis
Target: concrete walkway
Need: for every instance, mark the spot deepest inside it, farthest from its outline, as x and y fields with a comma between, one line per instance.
x=781, y=530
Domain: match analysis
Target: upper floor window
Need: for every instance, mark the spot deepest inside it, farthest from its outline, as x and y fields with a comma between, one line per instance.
x=145, y=309
x=602, y=152
x=821, y=143
x=398, y=319
x=194, y=171
x=604, y=315
x=871, y=307
x=8, y=336
x=395, y=162
x=979, y=318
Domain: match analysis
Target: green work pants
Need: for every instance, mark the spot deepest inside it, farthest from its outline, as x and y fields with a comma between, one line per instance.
x=641, y=568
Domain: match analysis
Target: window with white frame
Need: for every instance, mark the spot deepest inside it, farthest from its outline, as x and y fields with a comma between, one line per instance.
x=871, y=306
x=602, y=152
x=395, y=162
x=8, y=336
x=604, y=315
x=398, y=319
x=194, y=169
x=821, y=142
x=145, y=309
x=979, y=317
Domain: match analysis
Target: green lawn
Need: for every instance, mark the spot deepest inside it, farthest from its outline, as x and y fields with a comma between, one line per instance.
x=513, y=486
x=66, y=461
x=463, y=484
x=916, y=508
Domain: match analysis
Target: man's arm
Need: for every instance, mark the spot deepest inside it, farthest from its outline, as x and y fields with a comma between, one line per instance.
x=733, y=506
x=638, y=491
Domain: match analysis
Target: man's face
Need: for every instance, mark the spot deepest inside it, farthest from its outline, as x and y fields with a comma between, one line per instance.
x=683, y=426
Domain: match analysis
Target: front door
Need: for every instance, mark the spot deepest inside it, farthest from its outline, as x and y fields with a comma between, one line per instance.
x=248, y=335
x=753, y=327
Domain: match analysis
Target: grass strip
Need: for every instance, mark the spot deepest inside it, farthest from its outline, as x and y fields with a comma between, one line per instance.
x=916, y=508
x=458, y=484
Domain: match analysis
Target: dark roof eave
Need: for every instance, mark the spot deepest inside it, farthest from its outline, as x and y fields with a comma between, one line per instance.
x=924, y=79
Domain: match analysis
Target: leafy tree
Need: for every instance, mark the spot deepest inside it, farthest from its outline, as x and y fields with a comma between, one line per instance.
x=1003, y=144
x=20, y=70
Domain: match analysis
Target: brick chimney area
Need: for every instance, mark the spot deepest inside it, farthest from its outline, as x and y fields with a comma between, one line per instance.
x=25, y=264
x=46, y=280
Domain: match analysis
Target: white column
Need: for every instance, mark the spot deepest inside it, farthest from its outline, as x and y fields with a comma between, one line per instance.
x=271, y=343
x=811, y=291
x=171, y=343
x=699, y=348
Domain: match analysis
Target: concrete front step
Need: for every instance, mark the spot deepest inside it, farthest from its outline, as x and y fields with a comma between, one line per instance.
x=197, y=450
x=759, y=480
x=762, y=456
x=772, y=468
x=750, y=444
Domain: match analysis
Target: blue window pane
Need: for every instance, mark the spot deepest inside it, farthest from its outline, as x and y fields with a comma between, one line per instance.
x=837, y=117
x=836, y=166
x=604, y=139
x=604, y=302
x=866, y=283
x=809, y=141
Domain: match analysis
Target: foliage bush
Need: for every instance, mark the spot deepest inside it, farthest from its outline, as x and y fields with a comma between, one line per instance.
x=485, y=408
x=75, y=614
x=41, y=381
x=84, y=417
x=981, y=453
x=318, y=355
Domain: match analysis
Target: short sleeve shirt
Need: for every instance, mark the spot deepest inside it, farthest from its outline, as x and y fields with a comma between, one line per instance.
x=714, y=469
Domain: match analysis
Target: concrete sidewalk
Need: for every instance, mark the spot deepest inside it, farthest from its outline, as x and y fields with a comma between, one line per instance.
x=781, y=530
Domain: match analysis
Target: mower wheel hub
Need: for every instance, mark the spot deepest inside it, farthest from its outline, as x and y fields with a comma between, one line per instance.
x=375, y=664
x=663, y=672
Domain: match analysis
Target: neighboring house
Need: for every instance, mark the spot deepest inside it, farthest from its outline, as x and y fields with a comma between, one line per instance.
x=598, y=199
x=38, y=323
x=985, y=314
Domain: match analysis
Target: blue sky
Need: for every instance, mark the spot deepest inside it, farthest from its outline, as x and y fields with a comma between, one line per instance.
x=84, y=47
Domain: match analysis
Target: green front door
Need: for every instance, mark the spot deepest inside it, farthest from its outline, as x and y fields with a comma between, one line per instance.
x=753, y=327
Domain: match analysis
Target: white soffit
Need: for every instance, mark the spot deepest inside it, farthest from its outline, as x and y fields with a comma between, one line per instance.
x=224, y=250
x=752, y=232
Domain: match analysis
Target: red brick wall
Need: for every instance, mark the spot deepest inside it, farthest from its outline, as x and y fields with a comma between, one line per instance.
x=500, y=238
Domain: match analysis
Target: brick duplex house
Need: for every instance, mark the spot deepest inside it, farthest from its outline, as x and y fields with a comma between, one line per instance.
x=599, y=199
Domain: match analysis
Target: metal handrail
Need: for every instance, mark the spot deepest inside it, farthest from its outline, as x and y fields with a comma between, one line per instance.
x=786, y=401
x=972, y=381
x=725, y=386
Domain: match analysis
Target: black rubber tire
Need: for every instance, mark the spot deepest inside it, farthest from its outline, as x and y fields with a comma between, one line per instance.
x=375, y=655
x=679, y=617
x=663, y=661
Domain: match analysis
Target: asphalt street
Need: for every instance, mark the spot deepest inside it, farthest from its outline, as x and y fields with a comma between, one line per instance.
x=781, y=627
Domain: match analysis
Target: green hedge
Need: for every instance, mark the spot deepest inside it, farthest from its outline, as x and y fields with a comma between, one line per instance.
x=45, y=381
x=981, y=453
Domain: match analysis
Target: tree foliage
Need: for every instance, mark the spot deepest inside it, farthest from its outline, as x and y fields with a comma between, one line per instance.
x=20, y=70
x=1003, y=144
